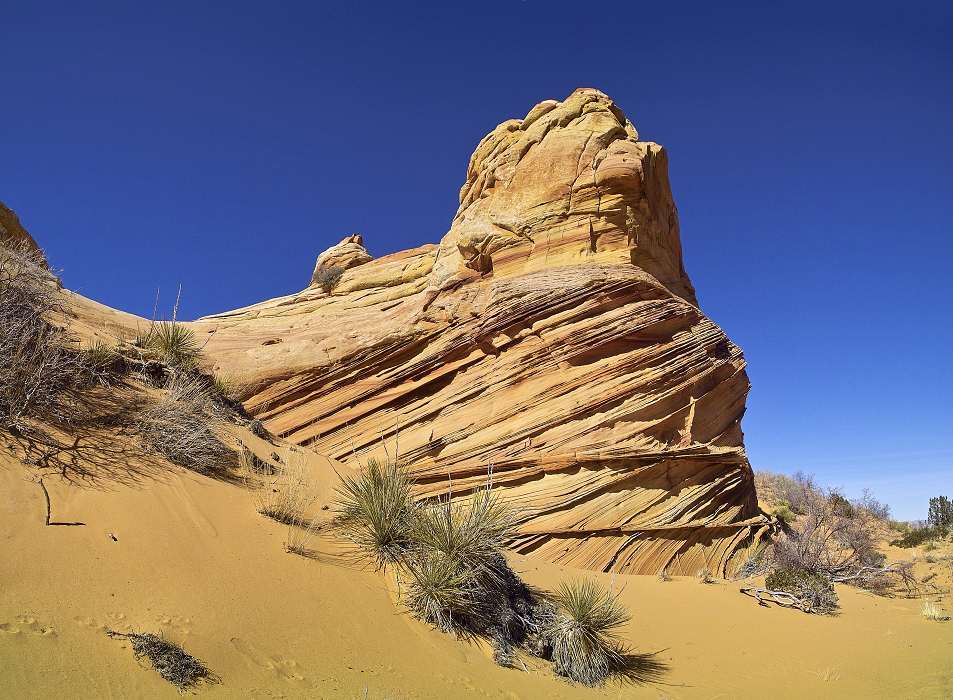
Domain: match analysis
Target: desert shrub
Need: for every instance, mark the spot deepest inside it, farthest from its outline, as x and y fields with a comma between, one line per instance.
x=442, y=593
x=800, y=492
x=179, y=427
x=825, y=540
x=941, y=513
x=375, y=512
x=840, y=506
x=704, y=575
x=583, y=635
x=172, y=662
x=473, y=533
x=870, y=505
x=812, y=588
x=782, y=511
x=39, y=365
x=459, y=578
x=328, y=278
x=917, y=536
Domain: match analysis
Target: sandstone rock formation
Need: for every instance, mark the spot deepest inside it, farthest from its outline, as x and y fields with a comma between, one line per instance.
x=553, y=336
x=349, y=253
x=11, y=231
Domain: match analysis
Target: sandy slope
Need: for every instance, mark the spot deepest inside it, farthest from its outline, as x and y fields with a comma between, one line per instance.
x=189, y=556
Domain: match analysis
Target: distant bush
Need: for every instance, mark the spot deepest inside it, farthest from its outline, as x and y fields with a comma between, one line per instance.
x=782, y=511
x=814, y=589
x=328, y=278
x=920, y=535
x=940, y=513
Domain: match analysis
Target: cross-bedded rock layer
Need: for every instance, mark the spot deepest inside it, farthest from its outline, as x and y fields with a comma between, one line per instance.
x=552, y=335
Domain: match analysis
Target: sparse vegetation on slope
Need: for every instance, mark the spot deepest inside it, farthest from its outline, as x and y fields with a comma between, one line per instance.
x=178, y=426
x=451, y=565
x=328, y=278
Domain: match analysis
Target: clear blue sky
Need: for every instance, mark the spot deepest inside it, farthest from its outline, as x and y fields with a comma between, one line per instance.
x=223, y=146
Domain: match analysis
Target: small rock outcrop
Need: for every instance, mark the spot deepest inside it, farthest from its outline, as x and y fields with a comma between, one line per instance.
x=552, y=337
x=11, y=231
x=349, y=253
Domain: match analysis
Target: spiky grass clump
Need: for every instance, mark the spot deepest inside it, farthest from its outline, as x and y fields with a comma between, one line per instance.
x=932, y=611
x=374, y=511
x=179, y=427
x=472, y=533
x=442, y=593
x=171, y=661
x=174, y=344
x=583, y=639
x=288, y=499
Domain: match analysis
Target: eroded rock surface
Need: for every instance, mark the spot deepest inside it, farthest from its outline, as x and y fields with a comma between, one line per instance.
x=553, y=336
x=349, y=253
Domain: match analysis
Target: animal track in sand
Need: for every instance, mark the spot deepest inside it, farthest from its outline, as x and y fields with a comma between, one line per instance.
x=286, y=669
x=176, y=622
x=110, y=621
x=27, y=624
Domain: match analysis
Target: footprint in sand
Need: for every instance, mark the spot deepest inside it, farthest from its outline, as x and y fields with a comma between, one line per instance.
x=286, y=669
x=27, y=624
x=110, y=621
x=176, y=622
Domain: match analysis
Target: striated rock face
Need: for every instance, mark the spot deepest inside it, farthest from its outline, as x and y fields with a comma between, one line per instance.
x=552, y=335
x=349, y=253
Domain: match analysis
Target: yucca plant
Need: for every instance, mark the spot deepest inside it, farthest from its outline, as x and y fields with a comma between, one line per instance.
x=175, y=344
x=582, y=636
x=374, y=511
x=472, y=533
x=442, y=593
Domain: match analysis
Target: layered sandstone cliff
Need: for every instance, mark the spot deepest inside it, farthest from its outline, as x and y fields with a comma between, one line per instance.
x=552, y=337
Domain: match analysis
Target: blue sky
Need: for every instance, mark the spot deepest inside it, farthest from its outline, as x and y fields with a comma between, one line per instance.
x=222, y=146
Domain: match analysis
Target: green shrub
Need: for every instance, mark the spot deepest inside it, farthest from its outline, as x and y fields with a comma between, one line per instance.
x=920, y=535
x=940, y=513
x=782, y=511
x=813, y=589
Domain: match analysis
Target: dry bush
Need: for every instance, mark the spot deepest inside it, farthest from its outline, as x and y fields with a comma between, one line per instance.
x=171, y=661
x=704, y=575
x=179, y=427
x=814, y=590
x=40, y=366
x=289, y=497
x=932, y=611
x=328, y=278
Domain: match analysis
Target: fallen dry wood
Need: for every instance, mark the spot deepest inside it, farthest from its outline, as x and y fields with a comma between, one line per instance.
x=781, y=598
